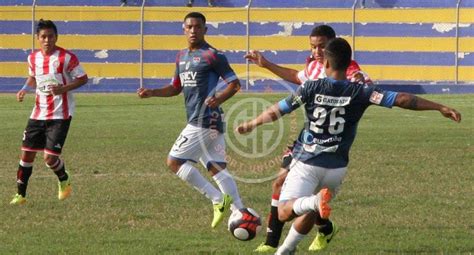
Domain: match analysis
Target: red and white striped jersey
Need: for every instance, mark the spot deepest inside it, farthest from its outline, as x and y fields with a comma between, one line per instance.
x=59, y=68
x=315, y=70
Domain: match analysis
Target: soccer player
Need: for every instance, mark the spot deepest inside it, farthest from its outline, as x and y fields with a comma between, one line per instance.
x=198, y=69
x=333, y=108
x=54, y=72
x=314, y=69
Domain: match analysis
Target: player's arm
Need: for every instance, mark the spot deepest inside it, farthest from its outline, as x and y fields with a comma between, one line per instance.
x=232, y=88
x=412, y=102
x=74, y=84
x=355, y=74
x=167, y=91
x=75, y=70
x=286, y=74
x=30, y=82
x=275, y=112
x=171, y=90
x=269, y=115
x=221, y=66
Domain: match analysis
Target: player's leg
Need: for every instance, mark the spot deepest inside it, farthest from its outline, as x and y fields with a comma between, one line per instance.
x=56, y=134
x=33, y=141
x=327, y=229
x=298, y=231
x=25, y=169
x=301, y=182
x=190, y=174
x=274, y=225
x=186, y=149
x=228, y=187
x=213, y=158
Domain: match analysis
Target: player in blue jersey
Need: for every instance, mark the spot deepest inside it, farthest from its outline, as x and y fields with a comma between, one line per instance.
x=198, y=69
x=314, y=70
x=333, y=108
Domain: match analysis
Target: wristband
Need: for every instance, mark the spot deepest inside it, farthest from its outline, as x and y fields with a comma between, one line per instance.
x=25, y=87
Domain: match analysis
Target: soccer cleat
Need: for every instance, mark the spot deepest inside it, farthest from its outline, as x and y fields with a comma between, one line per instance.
x=221, y=209
x=321, y=240
x=18, y=200
x=64, y=188
x=265, y=248
x=323, y=206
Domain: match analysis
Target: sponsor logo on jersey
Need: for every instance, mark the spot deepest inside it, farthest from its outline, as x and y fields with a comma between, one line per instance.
x=187, y=65
x=331, y=101
x=376, y=97
x=55, y=63
x=196, y=60
x=316, y=148
x=188, y=78
x=45, y=85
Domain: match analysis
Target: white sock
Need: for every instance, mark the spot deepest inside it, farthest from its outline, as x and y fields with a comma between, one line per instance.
x=191, y=175
x=291, y=241
x=227, y=185
x=304, y=205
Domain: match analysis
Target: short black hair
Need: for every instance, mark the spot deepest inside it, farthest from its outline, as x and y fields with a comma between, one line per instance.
x=196, y=15
x=338, y=52
x=323, y=30
x=46, y=24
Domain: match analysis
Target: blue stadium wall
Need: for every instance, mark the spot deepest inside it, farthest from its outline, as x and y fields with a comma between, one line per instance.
x=403, y=45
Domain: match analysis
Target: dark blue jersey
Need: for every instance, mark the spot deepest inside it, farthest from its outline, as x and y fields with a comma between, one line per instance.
x=333, y=109
x=197, y=74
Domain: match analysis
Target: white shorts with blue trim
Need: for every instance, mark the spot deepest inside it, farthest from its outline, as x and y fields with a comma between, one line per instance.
x=197, y=143
x=305, y=180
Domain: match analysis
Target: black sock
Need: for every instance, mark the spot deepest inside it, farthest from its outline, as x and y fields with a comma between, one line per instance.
x=275, y=227
x=22, y=176
x=326, y=227
x=60, y=170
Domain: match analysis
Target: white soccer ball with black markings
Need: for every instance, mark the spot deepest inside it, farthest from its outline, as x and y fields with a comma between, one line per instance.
x=244, y=224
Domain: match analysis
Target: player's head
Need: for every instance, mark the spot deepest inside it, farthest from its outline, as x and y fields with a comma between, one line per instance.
x=47, y=35
x=318, y=39
x=194, y=27
x=337, y=55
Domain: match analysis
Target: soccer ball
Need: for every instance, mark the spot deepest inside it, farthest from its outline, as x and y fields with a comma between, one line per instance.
x=244, y=224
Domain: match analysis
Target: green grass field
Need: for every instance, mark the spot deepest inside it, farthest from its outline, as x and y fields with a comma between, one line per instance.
x=409, y=188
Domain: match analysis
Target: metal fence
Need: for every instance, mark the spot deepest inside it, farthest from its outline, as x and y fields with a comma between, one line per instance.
x=137, y=47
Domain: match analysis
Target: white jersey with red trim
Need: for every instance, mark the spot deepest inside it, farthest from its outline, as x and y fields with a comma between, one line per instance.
x=57, y=69
x=315, y=70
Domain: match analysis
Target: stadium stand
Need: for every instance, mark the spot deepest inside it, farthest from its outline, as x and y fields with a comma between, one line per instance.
x=402, y=44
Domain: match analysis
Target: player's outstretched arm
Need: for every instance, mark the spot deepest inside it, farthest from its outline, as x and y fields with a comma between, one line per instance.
x=167, y=91
x=269, y=115
x=412, y=102
x=232, y=88
x=287, y=74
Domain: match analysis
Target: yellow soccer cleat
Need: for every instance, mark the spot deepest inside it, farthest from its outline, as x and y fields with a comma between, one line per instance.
x=221, y=209
x=18, y=200
x=321, y=241
x=264, y=248
x=64, y=188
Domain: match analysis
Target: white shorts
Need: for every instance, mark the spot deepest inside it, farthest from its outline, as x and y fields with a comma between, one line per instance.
x=305, y=180
x=197, y=143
